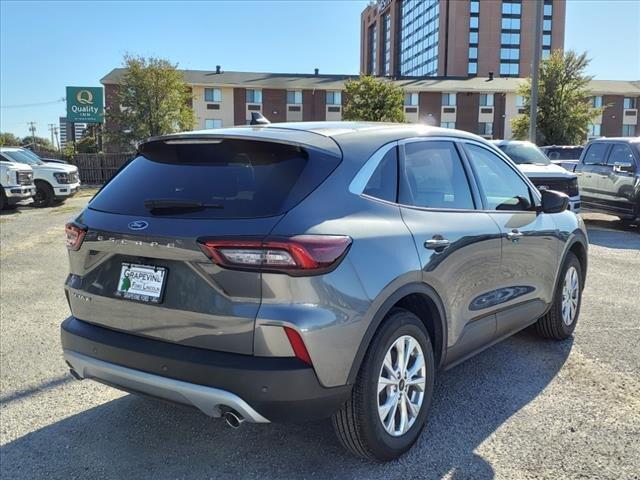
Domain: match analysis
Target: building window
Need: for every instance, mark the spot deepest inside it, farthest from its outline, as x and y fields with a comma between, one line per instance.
x=474, y=6
x=510, y=8
x=334, y=97
x=596, y=102
x=546, y=53
x=511, y=23
x=546, y=40
x=628, y=130
x=254, y=96
x=548, y=9
x=294, y=97
x=410, y=99
x=473, y=38
x=448, y=99
x=486, y=128
x=629, y=102
x=509, y=69
x=212, y=123
x=212, y=95
x=448, y=124
x=473, y=22
x=419, y=32
x=373, y=50
x=473, y=68
x=510, y=39
x=519, y=101
x=509, y=54
x=386, y=54
x=594, y=130
x=473, y=53
x=486, y=100
x=546, y=25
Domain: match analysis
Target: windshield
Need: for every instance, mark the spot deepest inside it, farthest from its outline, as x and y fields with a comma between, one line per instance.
x=21, y=157
x=525, y=153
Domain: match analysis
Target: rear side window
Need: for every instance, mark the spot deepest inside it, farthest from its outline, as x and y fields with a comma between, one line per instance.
x=217, y=179
x=564, y=153
x=503, y=188
x=433, y=177
x=595, y=154
x=383, y=184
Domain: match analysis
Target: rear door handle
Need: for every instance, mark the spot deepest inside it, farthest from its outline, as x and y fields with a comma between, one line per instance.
x=437, y=243
x=514, y=235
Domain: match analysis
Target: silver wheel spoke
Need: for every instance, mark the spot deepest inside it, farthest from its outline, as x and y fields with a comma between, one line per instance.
x=384, y=382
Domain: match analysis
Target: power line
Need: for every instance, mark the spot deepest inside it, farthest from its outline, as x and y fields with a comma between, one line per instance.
x=27, y=105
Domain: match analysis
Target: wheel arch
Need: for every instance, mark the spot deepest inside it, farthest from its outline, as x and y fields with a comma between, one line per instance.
x=579, y=246
x=425, y=303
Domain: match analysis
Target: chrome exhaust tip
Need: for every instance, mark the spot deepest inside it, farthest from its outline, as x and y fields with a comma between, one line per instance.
x=233, y=419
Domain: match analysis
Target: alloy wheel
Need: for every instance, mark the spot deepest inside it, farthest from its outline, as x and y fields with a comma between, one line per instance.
x=570, y=295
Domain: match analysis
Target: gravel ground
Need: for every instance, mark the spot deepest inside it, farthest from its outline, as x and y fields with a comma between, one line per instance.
x=523, y=409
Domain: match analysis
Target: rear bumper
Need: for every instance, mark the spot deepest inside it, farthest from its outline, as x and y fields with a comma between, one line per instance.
x=261, y=389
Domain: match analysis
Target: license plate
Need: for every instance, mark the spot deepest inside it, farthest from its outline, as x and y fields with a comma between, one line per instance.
x=144, y=283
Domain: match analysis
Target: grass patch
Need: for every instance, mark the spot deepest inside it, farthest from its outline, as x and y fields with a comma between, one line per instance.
x=86, y=192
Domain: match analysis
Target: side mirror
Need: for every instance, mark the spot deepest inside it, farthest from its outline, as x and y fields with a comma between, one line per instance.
x=620, y=167
x=554, y=202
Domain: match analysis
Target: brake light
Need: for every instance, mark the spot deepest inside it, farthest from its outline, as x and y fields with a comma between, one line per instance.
x=74, y=235
x=298, y=255
x=298, y=346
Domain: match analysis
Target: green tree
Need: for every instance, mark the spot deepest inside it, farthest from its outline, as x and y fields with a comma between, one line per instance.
x=564, y=109
x=41, y=143
x=87, y=144
x=9, y=140
x=374, y=100
x=153, y=99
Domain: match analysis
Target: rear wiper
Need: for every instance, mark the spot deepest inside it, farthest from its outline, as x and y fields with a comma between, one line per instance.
x=176, y=204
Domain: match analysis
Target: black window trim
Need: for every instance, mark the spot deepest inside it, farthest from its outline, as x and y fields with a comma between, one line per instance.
x=533, y=191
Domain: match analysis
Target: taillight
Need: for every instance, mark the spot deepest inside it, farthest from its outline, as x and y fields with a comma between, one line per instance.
x=297, y=344
x=74, y=235
x=299, y=255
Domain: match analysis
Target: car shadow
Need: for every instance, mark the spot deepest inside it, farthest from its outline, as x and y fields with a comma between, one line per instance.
x=134, y=438
x=618, y=239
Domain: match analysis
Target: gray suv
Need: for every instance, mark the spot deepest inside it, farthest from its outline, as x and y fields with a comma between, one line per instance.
x=292, y=272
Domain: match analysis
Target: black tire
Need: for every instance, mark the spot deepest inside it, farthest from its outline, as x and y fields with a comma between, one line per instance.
x=44, y=196
x=357, y=424
x=552, y=324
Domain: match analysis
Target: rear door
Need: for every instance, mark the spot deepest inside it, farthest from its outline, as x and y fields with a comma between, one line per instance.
x=458, y=245
x=530, y=247
x=590, y=171
x=140, y=268
x=617, y=185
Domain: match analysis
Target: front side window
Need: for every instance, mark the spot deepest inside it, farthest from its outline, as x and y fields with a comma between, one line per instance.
x=212, y=95
x=254, y=96
x=448, y=99
x=502, y=187
x=595, y=154
x=294, y=97
x=622, y=154
x=524, y=153
x=334, y=98
x=383, y=184
x=433, y=177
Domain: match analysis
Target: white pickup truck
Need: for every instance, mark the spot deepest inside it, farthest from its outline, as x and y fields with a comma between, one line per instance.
x=16, y=182
x=53, y=181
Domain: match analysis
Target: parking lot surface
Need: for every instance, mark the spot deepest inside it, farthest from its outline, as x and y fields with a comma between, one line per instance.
x=525, y=408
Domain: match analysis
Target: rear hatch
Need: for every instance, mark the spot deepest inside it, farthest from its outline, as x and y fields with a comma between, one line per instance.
x=140, y=268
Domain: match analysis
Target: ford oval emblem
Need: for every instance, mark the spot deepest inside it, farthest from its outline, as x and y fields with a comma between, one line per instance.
x=138, y=225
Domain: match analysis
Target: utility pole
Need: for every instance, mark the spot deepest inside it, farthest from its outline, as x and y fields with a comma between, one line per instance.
x=51, y=127
x=55, y=132
x=535, y=71
x=32, y=129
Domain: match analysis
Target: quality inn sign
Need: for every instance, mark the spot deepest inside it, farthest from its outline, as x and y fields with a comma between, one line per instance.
x=85, y=105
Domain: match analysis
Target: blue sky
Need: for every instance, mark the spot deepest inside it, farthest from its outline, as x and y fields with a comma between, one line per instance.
x=45, y=46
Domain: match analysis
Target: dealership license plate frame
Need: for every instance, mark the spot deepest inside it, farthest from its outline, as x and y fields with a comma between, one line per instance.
x=139, y=297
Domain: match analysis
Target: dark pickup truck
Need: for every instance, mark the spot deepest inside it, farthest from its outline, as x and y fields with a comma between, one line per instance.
x=609, y=177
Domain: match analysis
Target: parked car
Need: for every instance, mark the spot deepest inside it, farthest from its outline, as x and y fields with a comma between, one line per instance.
x=609, y=177
x=53, y=181
x=566, y=156
x=32, y=154
x=16, y=184
x=292, y=272
x=544, y=174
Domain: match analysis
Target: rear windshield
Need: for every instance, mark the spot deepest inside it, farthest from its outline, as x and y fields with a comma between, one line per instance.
x=524, y=153
x=215, y=179
x=572, y=153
